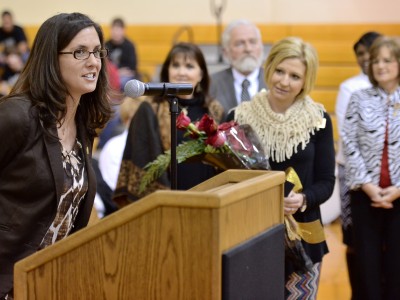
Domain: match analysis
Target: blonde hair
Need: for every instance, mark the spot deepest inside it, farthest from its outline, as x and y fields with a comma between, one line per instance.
x=293, y=47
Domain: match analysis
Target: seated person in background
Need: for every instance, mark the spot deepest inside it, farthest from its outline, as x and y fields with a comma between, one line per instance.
x=347, y=88
x=150, y=130
x=114, y=81
x=122, y=52
x=109, y=160
x=111, y=154
x=13, y=36
x=13, y=65
x=4, y=88
x=14, y=52
x=114, y=126
x=243, y=48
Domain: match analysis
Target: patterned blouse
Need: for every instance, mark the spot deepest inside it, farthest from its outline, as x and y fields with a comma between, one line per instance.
x=75, y=188
x=370, y=113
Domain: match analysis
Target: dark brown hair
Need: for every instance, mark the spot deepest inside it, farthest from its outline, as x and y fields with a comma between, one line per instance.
x=190, y=51
x=366, y=39
x=41, y=77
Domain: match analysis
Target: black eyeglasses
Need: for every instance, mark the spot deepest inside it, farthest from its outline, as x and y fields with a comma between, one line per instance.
x=82, y=54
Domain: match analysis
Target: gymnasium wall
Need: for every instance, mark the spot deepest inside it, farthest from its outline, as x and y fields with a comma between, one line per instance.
x=200, y=12
x=331, y=26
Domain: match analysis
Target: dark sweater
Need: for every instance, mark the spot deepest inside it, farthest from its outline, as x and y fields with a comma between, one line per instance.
x=315, y=166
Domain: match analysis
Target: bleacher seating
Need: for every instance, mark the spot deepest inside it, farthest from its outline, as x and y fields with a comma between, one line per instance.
x=333, y=43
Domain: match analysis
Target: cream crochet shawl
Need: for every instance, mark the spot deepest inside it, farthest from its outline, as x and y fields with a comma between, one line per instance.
x=280, y=134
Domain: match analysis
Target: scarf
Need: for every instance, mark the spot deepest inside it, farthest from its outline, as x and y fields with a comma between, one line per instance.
x=281, y=134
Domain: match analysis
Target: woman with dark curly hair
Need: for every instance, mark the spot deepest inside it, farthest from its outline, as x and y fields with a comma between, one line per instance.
x=49, y=120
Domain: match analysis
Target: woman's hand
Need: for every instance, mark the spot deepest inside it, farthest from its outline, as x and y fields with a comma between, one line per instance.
x=374, y=192
x=292, y=203
x=390, y=194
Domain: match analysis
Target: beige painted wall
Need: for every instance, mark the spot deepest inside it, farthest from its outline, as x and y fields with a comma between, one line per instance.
x=28, y=12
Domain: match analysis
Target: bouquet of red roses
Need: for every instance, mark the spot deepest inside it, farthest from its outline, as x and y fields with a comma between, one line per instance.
x=225, y=146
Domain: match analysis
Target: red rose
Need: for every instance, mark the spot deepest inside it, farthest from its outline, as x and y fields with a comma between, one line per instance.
x=208, y=125
x=216, y=140
x=182, y=121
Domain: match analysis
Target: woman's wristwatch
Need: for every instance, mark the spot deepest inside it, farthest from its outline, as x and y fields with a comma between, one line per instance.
x=304, y=205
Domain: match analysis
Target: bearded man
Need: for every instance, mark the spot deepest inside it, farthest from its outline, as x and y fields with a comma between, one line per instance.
x=243, y=48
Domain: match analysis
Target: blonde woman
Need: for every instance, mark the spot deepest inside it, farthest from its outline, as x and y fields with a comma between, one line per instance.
x=296, y=132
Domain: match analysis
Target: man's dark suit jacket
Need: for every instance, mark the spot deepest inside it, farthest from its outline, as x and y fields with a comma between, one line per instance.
x=223, y=90
x=31, y=183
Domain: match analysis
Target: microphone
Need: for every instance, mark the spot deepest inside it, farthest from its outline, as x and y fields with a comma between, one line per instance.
x=135, y=88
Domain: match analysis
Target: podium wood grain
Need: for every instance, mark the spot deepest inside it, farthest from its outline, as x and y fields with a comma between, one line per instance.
x=168, y=245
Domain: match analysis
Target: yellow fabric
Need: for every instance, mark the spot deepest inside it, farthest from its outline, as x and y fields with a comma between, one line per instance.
x=312, y=232
x=292, y=177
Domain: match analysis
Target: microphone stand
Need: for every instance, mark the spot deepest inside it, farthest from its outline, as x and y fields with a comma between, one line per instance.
x=174, y=111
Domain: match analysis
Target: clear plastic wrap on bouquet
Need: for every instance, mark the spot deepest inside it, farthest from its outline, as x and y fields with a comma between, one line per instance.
x=225, y=146
x=244, y=150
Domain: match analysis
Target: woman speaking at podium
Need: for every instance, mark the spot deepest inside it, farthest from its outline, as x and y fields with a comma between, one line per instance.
x=47, y=124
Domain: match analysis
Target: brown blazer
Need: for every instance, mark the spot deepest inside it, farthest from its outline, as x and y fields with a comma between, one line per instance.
x=31, y=181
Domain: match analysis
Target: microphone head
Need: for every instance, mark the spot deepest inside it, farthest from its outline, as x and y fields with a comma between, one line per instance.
x=134, y=88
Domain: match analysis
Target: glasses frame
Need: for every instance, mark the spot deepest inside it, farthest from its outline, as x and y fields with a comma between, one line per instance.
x=98, y=51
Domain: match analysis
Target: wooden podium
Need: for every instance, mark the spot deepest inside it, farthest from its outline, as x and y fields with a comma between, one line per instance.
x=168, y=245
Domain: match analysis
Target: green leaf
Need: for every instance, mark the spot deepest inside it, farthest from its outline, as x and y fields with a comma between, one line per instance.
x=189, y=149
x=154, y=170
x=158, y=166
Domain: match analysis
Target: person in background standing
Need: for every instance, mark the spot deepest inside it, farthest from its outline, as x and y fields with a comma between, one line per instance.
x=347, y=88
x=149, y=132
x=371, y=135
x=243, y=48
x=50, y=119
x=296, y=132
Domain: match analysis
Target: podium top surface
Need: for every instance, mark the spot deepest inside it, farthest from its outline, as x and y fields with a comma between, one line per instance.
x=229, y=187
